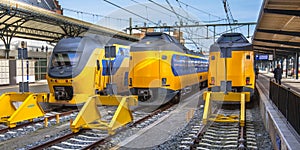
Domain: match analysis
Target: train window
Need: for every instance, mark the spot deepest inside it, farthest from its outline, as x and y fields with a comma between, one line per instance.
x=126, y=79
x=235, y=38
x=212, y=57
x=225, y=53
x=65, y=59
x=248, y=57
x=123, y=52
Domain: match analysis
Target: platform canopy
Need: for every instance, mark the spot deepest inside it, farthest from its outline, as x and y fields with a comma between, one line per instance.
x=278, y=28
x=22, y=20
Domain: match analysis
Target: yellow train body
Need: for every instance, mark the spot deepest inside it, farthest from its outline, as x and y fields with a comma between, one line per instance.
x=240, y=68
x=231, y=66
x=91, y=78
x=148, y=69
x=161, y=69
x=83, y=85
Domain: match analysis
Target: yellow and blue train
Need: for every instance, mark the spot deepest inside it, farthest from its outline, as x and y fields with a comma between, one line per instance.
x=78, y=69
x=161, y=69
x=231, y=65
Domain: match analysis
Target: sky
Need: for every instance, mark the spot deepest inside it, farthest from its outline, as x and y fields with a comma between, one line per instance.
x=155, y=11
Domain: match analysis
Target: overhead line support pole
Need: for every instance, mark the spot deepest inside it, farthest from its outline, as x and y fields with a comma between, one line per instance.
x=297, y=65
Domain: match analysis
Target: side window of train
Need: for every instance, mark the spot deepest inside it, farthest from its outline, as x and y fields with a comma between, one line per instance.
x=126, y=79
x=212, y=57
x=226, y=53
x=186, y=60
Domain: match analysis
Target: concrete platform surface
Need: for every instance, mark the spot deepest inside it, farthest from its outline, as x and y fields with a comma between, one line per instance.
x=282, y=134
x=289, y=82
x=39, y=86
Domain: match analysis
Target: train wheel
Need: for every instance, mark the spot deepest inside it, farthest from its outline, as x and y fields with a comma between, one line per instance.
x=176, y=98
x=204, y=84
x=200, y=85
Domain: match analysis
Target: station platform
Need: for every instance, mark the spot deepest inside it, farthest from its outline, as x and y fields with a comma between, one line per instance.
x=282, y=133
x=289, y=82
x=36, y=87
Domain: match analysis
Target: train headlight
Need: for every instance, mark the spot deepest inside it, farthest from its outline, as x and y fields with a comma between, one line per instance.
x=248, y=81
x=212, y=81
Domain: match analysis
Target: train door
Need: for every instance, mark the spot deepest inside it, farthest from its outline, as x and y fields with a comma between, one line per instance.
x=217, y=68
x=97, y=75
x=249, y=74
x=164, y=67
x=224, y=70
x=98, y=72
x=121, y=67
x=236, y=67
x=220, y=60
x=145, y=69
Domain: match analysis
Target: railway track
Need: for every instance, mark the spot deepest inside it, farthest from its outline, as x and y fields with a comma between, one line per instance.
x=87, y=139
x=217, y=135
x=38, y=123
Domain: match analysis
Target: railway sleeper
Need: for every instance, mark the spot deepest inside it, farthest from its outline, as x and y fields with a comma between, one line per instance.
x=58, y=147
x=215, y=146
x=221, y=138
x=252, y=147
x=225, y=127
x=73, y=144
x=251, y=143
x=81, y=140
x=222, y=131
x=202, y=148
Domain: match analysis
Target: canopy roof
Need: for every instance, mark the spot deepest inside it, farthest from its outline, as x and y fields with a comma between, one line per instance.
x=278, y=27
x=22, y=20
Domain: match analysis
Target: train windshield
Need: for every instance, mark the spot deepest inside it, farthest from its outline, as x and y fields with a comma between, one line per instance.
x=65, y=59
x=151, y=38
x=233, y=38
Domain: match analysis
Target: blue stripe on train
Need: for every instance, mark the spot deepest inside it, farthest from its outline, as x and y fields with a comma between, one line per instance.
x=116, y=63
x=184, y=65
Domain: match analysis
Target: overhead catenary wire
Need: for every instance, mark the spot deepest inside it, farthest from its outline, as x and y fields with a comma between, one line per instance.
x=131, y=12
x=188, y=31
x=188, y=19
x=228, y=13
x=202, y=11
x=177, y=14
x=97, y=15
x=157, y=10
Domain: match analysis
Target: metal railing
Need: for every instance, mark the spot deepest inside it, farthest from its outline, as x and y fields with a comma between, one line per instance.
x=288, y=102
